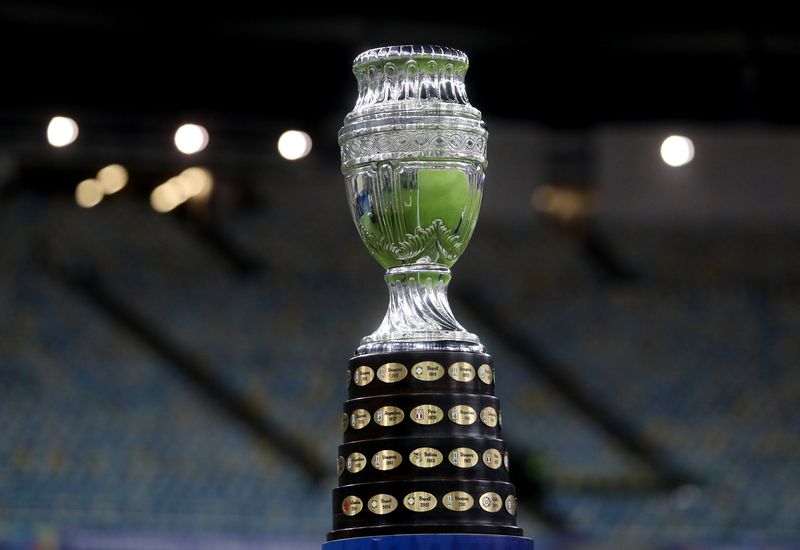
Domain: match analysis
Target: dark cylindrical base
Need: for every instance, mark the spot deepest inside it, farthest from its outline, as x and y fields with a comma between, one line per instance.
x=422, y=451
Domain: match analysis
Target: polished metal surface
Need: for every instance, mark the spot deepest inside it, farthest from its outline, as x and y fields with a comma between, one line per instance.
x=414, y=158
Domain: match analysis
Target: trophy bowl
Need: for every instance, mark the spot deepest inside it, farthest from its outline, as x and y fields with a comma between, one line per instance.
x=413, y=157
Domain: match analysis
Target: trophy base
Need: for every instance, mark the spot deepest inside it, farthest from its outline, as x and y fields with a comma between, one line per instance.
x=422, y=449
x=444, y=541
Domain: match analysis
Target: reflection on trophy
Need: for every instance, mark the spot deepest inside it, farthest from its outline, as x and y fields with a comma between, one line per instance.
x=422, y=452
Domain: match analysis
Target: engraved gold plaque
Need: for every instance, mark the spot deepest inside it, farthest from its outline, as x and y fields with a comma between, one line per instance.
x=419, y=501
x=340, y=465
x=351, y=505
x=492, y=458
x=489, y=416
x=463, y=457
x=427, y=371
x=458, y=501
x=485, y=373
x=392, y=372
x=491, y=502
x=355, y=462
x=425, y=457
x=363, y=375
x=462, y=414
x=461, y=372
x=382, y=504
x=426, y=414
x=359, y=418
x=386, y=460
x=511, y=505
x=345, y=422
x=389, y=416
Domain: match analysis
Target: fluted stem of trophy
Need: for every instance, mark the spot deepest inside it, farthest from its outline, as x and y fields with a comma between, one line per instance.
x=419, y=310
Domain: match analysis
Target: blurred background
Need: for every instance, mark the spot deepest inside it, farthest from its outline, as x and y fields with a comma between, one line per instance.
x=181, y=283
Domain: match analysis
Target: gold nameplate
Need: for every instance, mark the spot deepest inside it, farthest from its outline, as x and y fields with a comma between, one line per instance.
x=345, y=422
x=388, y=416
x=492, y=458
x=382, y=504
x=463, y=457
x=426, y=414
x=386, y=460
x=340, y=465
x=491, y=502
x=351, y=505
x=485, y=373
x=363, y=375
x=462, y=414
x=356, y=462
x=427, y=371
x=457, y=501
x=461, y=372
x=419, y=501
x=425, y=457
x=511, y=505
x=392, y=372
x=359, y=418
x=489, y=416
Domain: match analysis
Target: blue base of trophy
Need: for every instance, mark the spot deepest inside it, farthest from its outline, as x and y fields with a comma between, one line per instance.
x=432, y=542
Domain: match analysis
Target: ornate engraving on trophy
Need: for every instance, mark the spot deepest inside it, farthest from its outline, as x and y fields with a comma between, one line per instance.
x=463, y=457
x=461, y=372
x=425, y=457
x=389, y=416
x=458, y=501
x=427, y=371
x=386, y=460
x=511, y=505
x=359, y=418
x=463, y=415
x=490, y=502
x=352, y=505
x=489, y=416
x=492, y=458
x=363, y=375
x=392, y=372
x=485, y=373
x=382, y=504
x=355, y=462
x=426, y=414
x=419, y=501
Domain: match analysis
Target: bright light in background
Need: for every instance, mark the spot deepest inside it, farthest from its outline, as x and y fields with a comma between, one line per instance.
x=677, y=150
x=197, y=182
x=89, y=193
x=113, y=178
x=294, y=144
x=191, y=138
x=61, y=131
x=192, y=183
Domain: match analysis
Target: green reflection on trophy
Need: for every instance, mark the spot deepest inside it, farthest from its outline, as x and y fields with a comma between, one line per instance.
x=413, y=156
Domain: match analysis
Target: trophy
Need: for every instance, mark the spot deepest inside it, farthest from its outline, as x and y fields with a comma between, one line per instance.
x=422, y=456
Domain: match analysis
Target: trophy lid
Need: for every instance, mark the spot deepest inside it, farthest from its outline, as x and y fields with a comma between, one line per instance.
x=410, y=79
